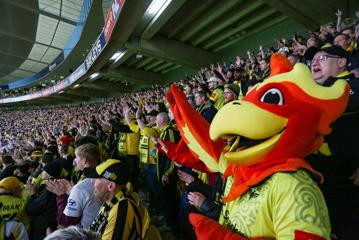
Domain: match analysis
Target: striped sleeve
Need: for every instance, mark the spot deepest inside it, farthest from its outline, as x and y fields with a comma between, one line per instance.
x=121, y=222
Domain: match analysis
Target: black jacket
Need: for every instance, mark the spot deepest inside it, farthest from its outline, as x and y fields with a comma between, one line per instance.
x=42, y=209
x=8, y=171
x=207, y=110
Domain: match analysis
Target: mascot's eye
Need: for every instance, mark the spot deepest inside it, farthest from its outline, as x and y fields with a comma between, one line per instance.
x=273, y=96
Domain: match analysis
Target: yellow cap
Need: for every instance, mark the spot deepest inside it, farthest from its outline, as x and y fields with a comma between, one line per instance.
x=10, y=184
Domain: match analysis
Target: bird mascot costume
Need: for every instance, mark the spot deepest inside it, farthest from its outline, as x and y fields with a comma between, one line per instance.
x=271, y=191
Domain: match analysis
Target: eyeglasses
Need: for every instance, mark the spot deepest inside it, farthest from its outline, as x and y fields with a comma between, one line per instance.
x=323, y=58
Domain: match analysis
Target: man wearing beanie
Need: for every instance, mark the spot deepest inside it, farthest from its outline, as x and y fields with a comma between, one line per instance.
x=41, y=206
x=231, y=92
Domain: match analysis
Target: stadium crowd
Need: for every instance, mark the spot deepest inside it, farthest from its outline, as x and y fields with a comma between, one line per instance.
x=95, y=171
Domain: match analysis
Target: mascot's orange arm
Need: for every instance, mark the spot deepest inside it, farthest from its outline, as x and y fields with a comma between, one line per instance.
x=208, y=229
x=194, y=130
x=183, y=156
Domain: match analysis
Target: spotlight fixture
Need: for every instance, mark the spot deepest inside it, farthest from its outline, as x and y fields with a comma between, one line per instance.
x=116, y=55
x=94, y=75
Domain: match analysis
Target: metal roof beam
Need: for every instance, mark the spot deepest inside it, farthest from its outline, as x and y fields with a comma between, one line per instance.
x=83, y=91
x=172, y=51
x=294, y=12
x=135, y=75
x=251, y=20
x=217, y=10
x=70, y=97
x=195, y=8
x=233, y=17
x=268, y=24
x=105, y=86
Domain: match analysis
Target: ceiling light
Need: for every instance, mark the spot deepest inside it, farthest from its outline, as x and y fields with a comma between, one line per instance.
x=77, y=85
x=94, y=75
x=116, y=55
x=139, y=55
x=157, y=7
x=61, y=91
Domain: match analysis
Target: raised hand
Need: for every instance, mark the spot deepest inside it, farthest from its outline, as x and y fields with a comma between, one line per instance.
x=338, y=13
x=196, y=199
x=185, y=177
x=238, y=60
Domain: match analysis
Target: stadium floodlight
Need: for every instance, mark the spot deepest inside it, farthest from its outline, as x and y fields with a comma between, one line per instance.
x=94, y=75
x=116, y=55
x=157, y=7
x=139, y=55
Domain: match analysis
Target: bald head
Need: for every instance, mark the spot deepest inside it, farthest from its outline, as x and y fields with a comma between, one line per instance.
x=162, y=119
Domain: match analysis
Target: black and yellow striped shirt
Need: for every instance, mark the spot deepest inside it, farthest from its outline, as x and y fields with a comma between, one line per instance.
x=118, y=219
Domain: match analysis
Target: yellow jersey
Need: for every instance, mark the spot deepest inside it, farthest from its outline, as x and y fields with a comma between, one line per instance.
x=277, y=207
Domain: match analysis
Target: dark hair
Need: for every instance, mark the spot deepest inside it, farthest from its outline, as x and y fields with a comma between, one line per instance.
x=52, y=143
x=343, y=34
x=266, y=59
x=64, y=148
x=53, y=149
x=33, y=164
x=7, y=159
x=84, y=140
x=202, y=93
x=293, y=55
x=24, y=168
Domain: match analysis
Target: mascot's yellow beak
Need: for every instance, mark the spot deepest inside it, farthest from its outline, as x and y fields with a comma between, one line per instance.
x=257, y=131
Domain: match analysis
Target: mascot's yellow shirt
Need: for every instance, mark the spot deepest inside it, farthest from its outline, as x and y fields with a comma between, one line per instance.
x=277, y=207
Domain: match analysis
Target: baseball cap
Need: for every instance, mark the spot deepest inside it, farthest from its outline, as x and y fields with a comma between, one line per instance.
x=65, y=140
x=36, y=153
x=212, y=79
x=10, y=184
x=353, y=63
x=112, y=169
x=333, y=50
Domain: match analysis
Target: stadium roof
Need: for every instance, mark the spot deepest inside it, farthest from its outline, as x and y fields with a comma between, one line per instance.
x=152, y=41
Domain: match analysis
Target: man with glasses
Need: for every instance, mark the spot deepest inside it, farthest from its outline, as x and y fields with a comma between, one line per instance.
x=329, y=64
x=338, y=158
